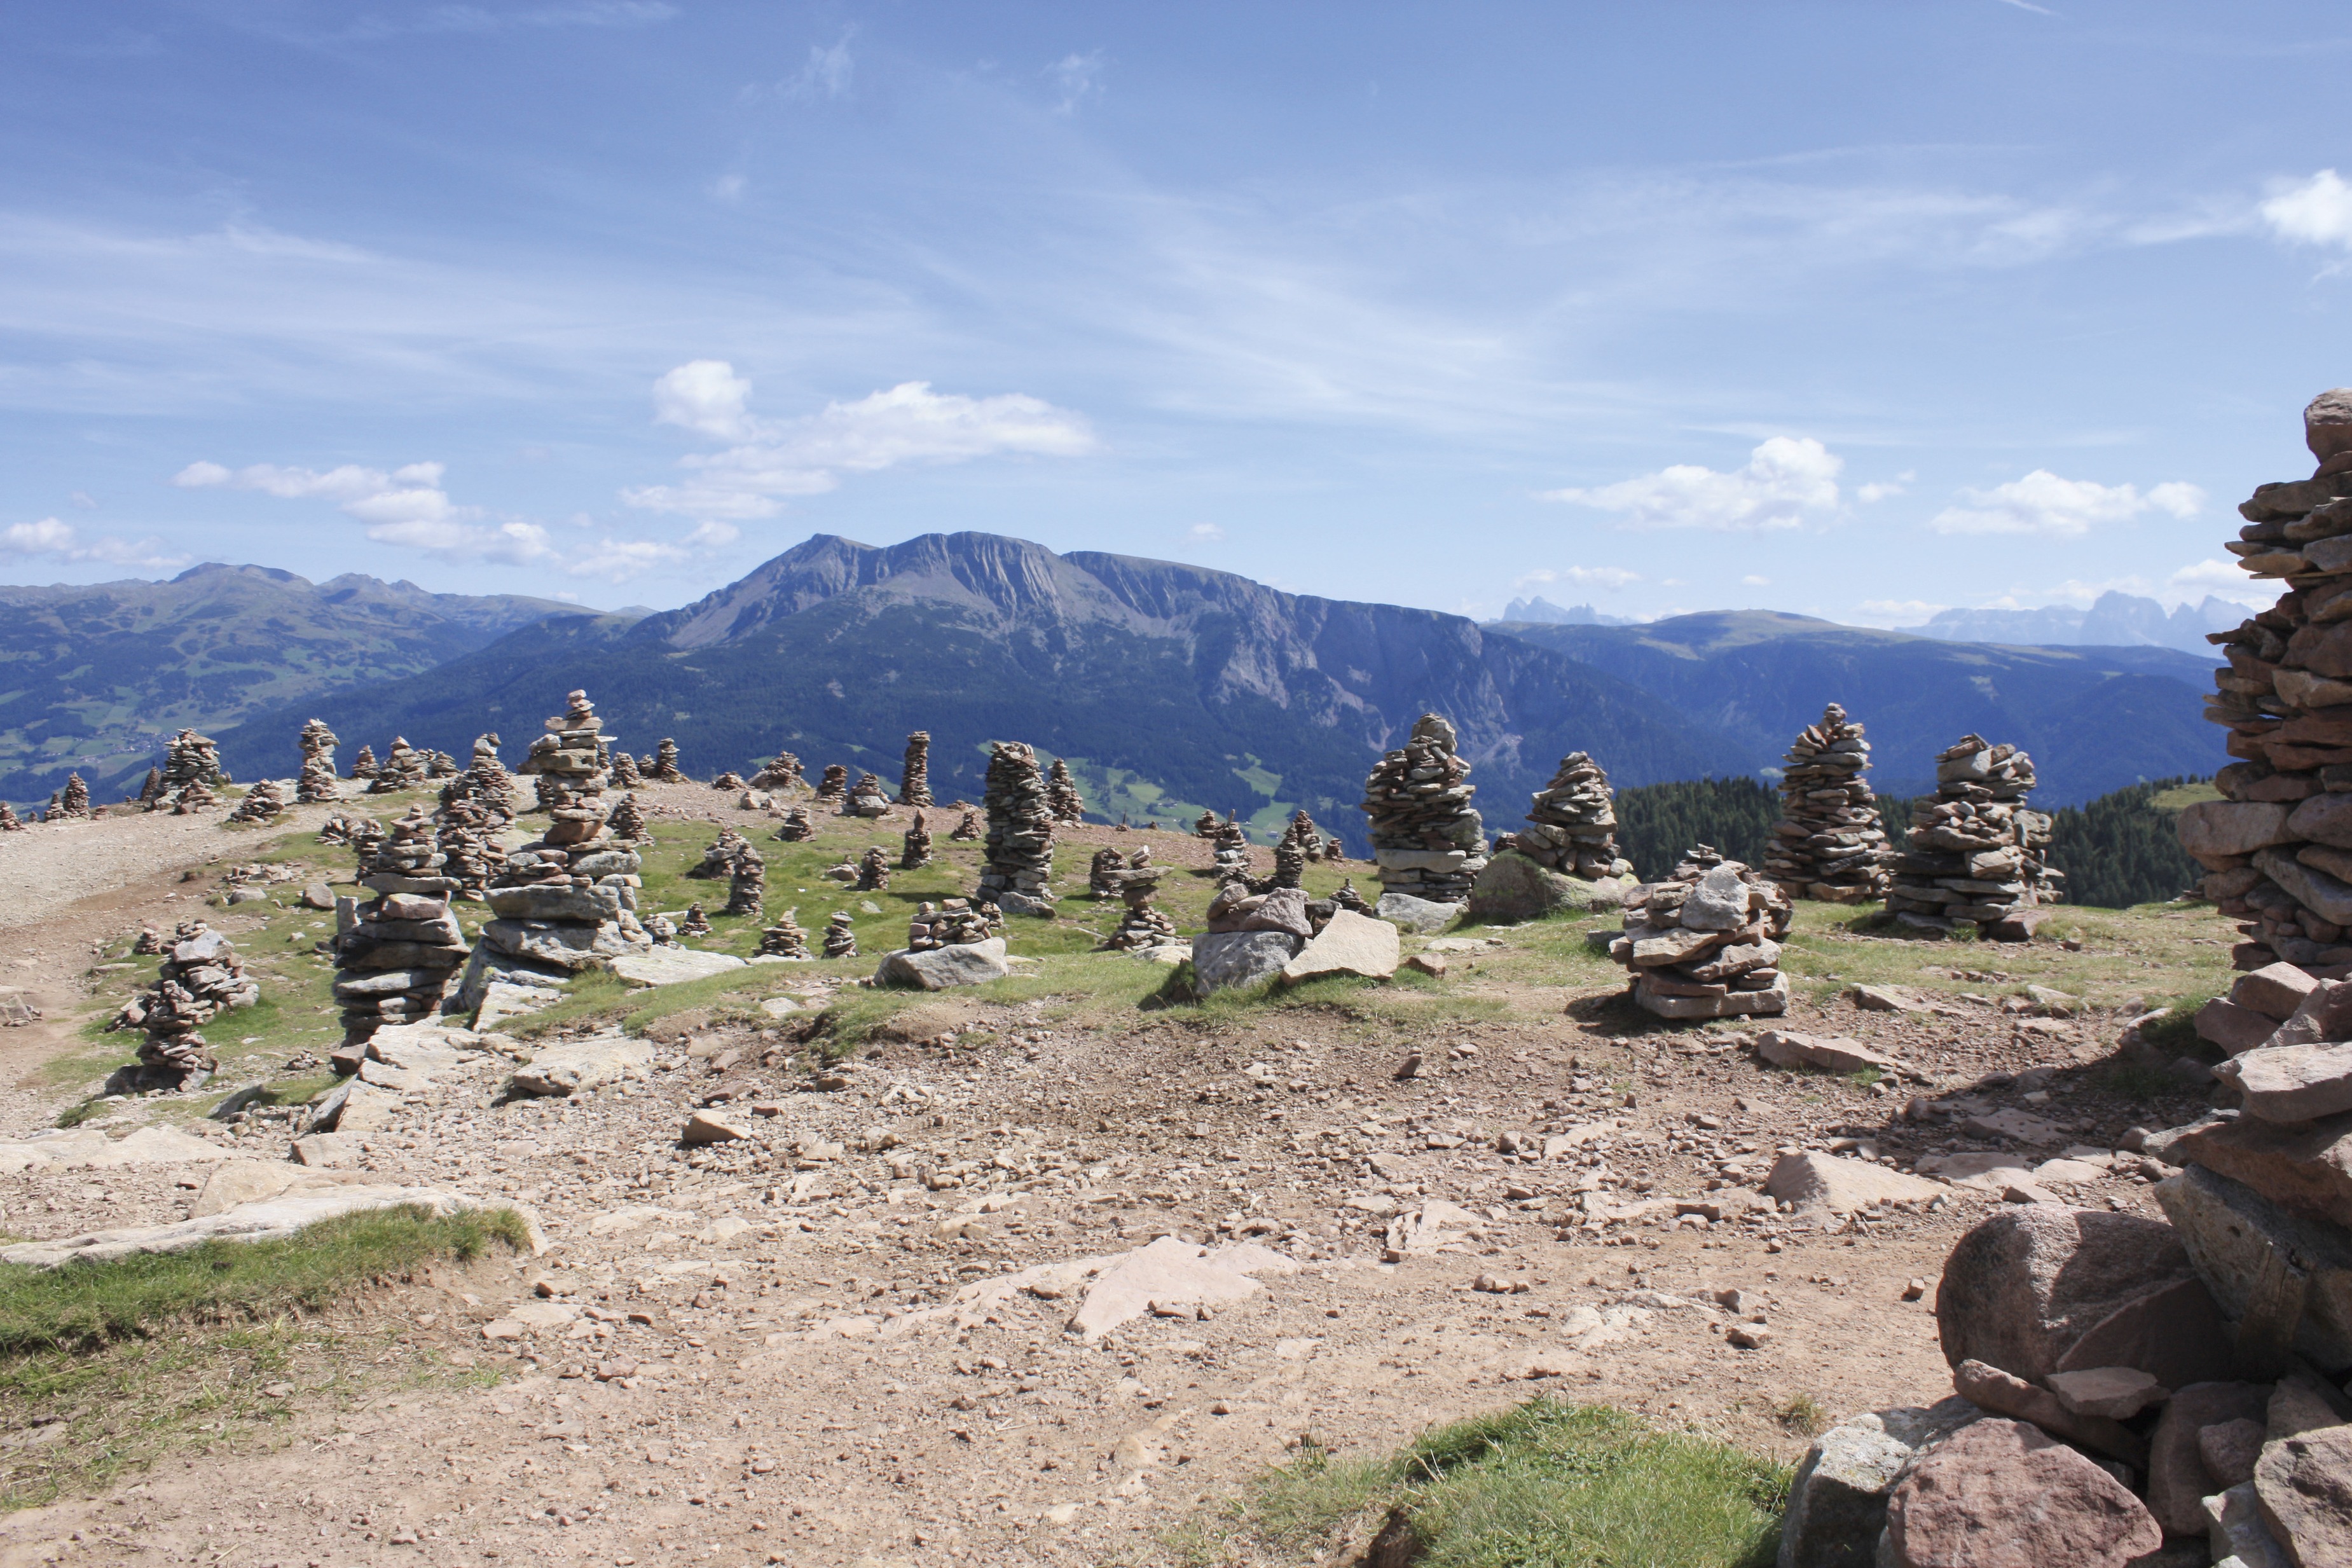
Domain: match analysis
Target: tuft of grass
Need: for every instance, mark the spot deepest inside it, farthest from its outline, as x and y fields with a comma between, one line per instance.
x=1804, y=1415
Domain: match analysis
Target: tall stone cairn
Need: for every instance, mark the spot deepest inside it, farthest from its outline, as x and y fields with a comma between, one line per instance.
x=485, y=782
x=404, y=767
x=1302, y=829
x=1705, y=942
x=201, y=978
x=467, y=836
x=832, y=786
x=2277, y=848
x=151, y=792
x=1144, y=924
x=1019, y=856
x=1573, y=822
x=74, y=799
x=1062, y=797
x=395, y=963
x=969, y=830
x=1427, y=839
x=1829, y=844
x=566, y=902
x=1973, y=853
x=718, y=860
x=363, y=764
x=191, y=767
x=783, y=773
x=1290, y=856
x=874, y=870
x=915, y=848
x=263, y=803
x=666, y=769
x=840, y=936
x=1229, y=853
x=798, y=827
x=1102, y=879
x=317, y=784
x=915, y=774
x=784, y=938
x=747, y=882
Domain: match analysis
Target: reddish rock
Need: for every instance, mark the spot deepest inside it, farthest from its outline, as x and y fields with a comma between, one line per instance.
x=2225, y=1024
x=2275, y=990
x=2024, y=1286
x=2178, y=1478
x=2230, y=1449
x=2001, y=1494
x=2305, y=1487
x=2175, y=1334
x=1990, y=1388
x=2306, y=1170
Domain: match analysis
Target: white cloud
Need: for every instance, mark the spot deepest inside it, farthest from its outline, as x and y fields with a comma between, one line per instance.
x=2316, y=211
x=827, y=74
x=1581, y=577
x=909, y=423
x=1205, y=533
x=1787, y=481
x=1880, y=489
x=1753, y=581
x=2221, y=577
x=83, y=499
x=1893, y=613
x=1078, y=78
x=2042, y=503
x=61, y=541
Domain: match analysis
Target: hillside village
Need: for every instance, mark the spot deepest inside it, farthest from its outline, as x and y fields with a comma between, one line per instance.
x=600, y=1151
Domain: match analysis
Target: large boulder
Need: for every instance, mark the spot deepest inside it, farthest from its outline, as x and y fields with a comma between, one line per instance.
x=1349, y=944
x=2306, y=1169
x=2237, y=1238
x=1238, y=960
x=1514, y=889
x=2001, y=1493
x=672, y=965
x=1415, y=914
x=1837, y=1501
x=2025, y=1285
x=568, y=946
x=2218, y=829
x=945, y=968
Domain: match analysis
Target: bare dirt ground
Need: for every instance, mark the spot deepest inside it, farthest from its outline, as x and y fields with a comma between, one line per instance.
x=815, y=1347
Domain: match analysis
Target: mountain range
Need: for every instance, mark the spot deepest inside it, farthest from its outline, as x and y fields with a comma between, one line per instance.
x=2113, y=620
x=1168, y=689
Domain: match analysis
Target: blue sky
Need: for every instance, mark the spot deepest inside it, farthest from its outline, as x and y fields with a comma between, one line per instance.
x=1856, y=309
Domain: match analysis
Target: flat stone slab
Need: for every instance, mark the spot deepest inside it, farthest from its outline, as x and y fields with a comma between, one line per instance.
x=1349, y=945
x=1172, y=1272
x=672, y=965
x=2293, y=1083
x=91, y=1149
x=1843, y=1185
x=268, y=1219
x=1830, y=1053
x=580, y=1064
x=236, y=1182
x=1416, y=914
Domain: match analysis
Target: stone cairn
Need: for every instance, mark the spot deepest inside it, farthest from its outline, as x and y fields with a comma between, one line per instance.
x=74, y=799
x=341, y=827
x=1973, y=853
x=1706, y=942
x=151, y=792
x=695, y=922
x=317, y=784
x=1573, y=824
x=840, y=936
x=441, y=765
x=1062, y=797
x=467, y=836
x=1427, y=839
x=1829, y=844
x=191, y=768
x=659, y=926
x=874, y=871
x=1291, y=854
x=719, y=860
x=1348, y=897
x=624, y=771
x=666, y=769
x=1302, y=829
x=485, y=782
x=915, y=848
x=2277, y=848
x=568, y=901
x=784, y=772
x=404, y=767
x=363, y=764
x=1229, y=852
x=9, y=821
x=1205, y=825
x=915, y=772
x=798, y=827
x=730, y=780
x=1143, y=924
x=784, y=938
x=265, y=802
x=747, y=882
x=867, y=798
x=968, y=830
x=1018, y=873
x=395, y=960
x=952, y=922
x=833, y=785
x=1103, y=874
x=201, y=978
x=627, y=821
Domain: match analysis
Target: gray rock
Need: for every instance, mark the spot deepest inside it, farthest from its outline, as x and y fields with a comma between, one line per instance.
x=671, y=966
x=586, y=905
x=1017, y=903
x=1415, y=914
x=1837, y=1502
x=1513, y=888
x=2242, y=1244
x=2292, y=1083
x=580, y=1064
x=1349, y=944
x=2234, y=1526
x=2227, y=827
x=1224, y=960
x=944, y=968
x=1717, y=902
x=565, y=946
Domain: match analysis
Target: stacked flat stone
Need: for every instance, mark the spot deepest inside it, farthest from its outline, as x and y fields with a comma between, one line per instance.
x=9, y=821
x=833, y=785
x=467, y=834
x=915, y=848
x=201, y=978
x=1143, y=924
x=1104, y=876
x=952, y=922
x=191, y=767
x=1829, y=844
x=867, y=797
x=695, y=922
x=317, y=784
x=404, y=767
x=441, y=765
x=74, y=799
x=341, y=827
x=720, y=859
x=1229, y=854
x=1573, y=824
x=1018, y=872
x=799, y=826
x=784, y=938
x=1205, y=825
x=1973, y=853
x=1062, y=797
x=728, y=781
x=265, y=802
x=840, y=936
x=626, y=821
x=2278, y=846
x=151, y=793
x=1302, y=829
x=193, y=796
x=747, y=882
x=363, y=764
x=397, y=955
x=1427, y=839
x=784, y=772
x=968, y=830
x=915, y=772
x=566, y=902
x=624, y=771
x=1290, y=858
x=1706, y=942
x=666, y=769
x=874, y=870
x=485, y=783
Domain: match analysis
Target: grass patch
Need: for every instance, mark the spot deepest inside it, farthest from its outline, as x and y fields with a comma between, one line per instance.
x=1545, y=1485
x=1804, y=1415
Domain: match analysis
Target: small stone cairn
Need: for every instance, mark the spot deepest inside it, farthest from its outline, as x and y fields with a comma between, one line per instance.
x=694, y=922
x=1974, y=853
x=798, y=827
x=915, y=772
x=1290, y=857
x=1206, y=824
x=441, y=765
x=201, y=978
x=1229, y=853
x=1829, y=844
x=867, y=798
x=1143, y=925
x=720, y=858
x=341, y=827
x=833, y=785
x=627, y=821
x=469, y=838
x=1018, y=874
x=968, y=830
x=317, y=784
x=395, y=963
x=404, y=767
x=952, y=922
x=74, y=799
x=9, y=821
x=730, y=780
x=1706, y=942
x=1573, y=824
x=1302, y=829
x=874, y=870
x=1103, y=874
x=265, y=802
x=363, y=764
x=191, y=768
x=1427, y=839
x=151, y=792
x=624, y=771
x=666, y=769
x=747, y=882
x=915, y=848
x=485, y=783
x=784, y=772
x=784, y=938
x=840, y=936
x=1062, y=797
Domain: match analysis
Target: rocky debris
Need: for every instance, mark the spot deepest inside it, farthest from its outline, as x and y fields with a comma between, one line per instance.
x=1828, y=843
x=784, y=938
x=873, y=870
x=1974, y=854
x=1573, y=824
x=317, y=782
x=1427, y=839
x=951, y=922
x=798, y=827
x=363, y=763
x=666, y=769
x=946, y=967
x=694, y=922
x=747, y=882
x=626, y=821
x=2001, y=1491
x=2275, y=847
x=783, y=773
x=1229, y=854
x=1706, y=942
x=265, y=802
x=915, y=847
x=201, y=977
x=398, y=951
x=833, y=788
x=840, y=937
x=915, y=772
x=719, y=860
x=1351, y=945
x=404, y=767
x=273, y=1218
x=968, y=830
x=1019, y=857
x=1062, y=802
